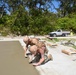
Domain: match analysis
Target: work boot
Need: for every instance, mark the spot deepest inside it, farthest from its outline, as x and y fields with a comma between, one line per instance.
x=48, y=58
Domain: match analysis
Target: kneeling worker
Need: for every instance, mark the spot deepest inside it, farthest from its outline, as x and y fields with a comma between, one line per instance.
x=40, y=52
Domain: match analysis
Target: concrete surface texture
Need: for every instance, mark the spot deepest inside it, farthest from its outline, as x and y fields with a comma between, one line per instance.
x=62, y=64
x=12, y=61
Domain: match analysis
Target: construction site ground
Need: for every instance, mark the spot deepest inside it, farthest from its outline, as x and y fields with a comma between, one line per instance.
x=62, y=64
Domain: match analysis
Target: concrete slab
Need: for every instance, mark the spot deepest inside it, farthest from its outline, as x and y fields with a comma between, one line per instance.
x=12, y=61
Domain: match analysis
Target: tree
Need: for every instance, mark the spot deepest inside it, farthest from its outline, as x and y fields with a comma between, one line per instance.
x=67, y=7
x=2, y=9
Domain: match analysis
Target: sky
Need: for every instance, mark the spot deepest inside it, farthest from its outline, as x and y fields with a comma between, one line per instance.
x=56, y=4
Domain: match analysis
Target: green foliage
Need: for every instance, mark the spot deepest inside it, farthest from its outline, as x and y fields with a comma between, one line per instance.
x=66, y=7
x=63, y=23
x=36, y=20
x=67, y=23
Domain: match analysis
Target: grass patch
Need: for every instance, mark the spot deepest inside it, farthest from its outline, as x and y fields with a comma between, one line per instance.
x=54, y=40
x=74, y=47
x=70, y=42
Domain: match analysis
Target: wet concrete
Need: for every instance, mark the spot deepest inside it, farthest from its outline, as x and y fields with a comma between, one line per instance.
x=12, y=61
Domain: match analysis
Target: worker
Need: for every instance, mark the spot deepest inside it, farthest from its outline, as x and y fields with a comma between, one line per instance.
x=29, y=42
x=41, y=54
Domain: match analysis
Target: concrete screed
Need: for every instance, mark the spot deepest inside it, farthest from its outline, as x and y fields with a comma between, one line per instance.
x=12, y=60
x=62, y=64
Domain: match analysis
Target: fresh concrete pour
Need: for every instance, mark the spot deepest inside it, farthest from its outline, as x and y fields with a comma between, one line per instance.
x=12, y=60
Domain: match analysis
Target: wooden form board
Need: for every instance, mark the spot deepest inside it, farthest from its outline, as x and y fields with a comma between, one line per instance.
x=69, y=52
